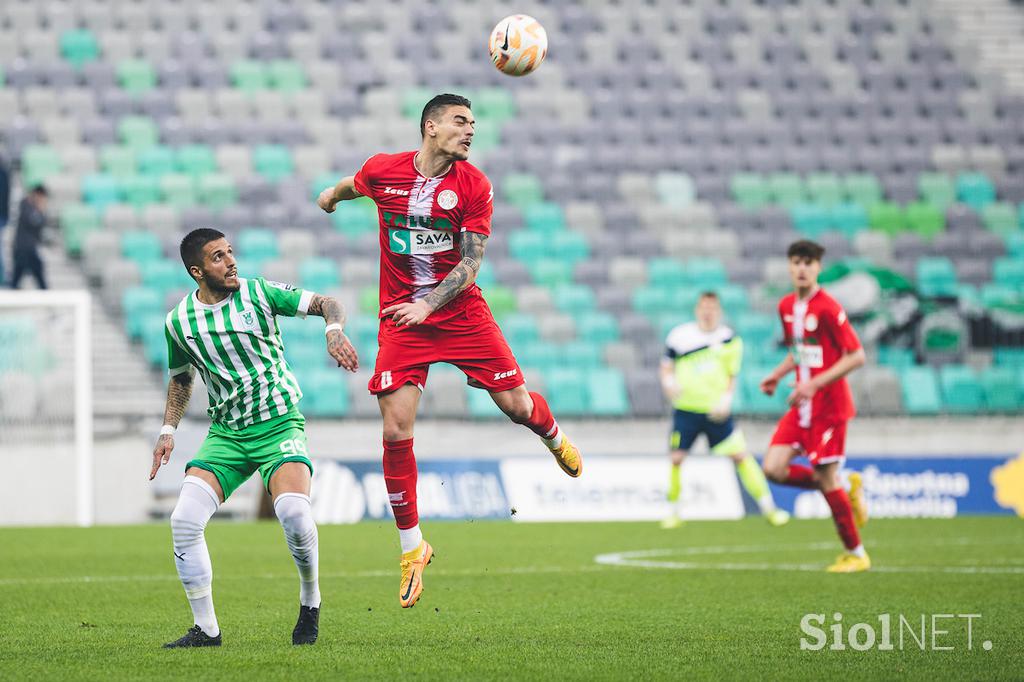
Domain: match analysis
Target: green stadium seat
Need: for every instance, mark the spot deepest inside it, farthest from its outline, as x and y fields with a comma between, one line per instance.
x=936, y=189
x=607, y=391
x=1008, y=272
x=196, y=160
x=501, y=301
x=750, y=190
x=140, y=190
x=920, y=390
x=76, y=221
x=79, y=47
x=274, y=162
x=355, y=217
x=486, y=136
x=166, y=276
x=158, y=160
x=824, y=188
x=665, y=322
x=480, y=404
x=936, y=277
x=249, y=75
x=413, y=100
x=486, y=278
x=136, y=76
x=100, y=190
x=319, y=274
x=597, y=326
x=141, y=247
x=786, y=189
x=810, y=219
x=325, y=394
x=257, y=245
x=118, y=161
x=544, y=217
x=154, y=346
x=363, y=329
x=675, y=189
x=286, y=75
x=141, y=305
x=654, y=300
x=975, y=189
x=862, y=188
x=567, y=391
x=962, y=392
x=178, y=190
x=1020, y=216
x=1000, y=295
x=580, y=354
x=1005, y=356
x=733, y=297
x=886, y=217
x=540, y=355
x=138, y=132
x=369, y=301
x=1003, y=389
x=848, y=218
x=38, y=162
x=666, y=272
x=522, y=189
x=1015, y=244
x=757, y=328
x=896, y=357
x=489, y=104
x=999, y=217
x=217, y=190
x=520, y=328
x=570, y=246
x=755, y=402
x=528, y=246
x=550, y=272
x=925, y=219
x=574, y=298
x=706, y=273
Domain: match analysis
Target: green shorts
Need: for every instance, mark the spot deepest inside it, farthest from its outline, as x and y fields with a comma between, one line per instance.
x=233, y=456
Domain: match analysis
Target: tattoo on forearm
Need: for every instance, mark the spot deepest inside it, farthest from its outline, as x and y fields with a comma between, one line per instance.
x=463, y=274
x=179, y=390
x=328, y=308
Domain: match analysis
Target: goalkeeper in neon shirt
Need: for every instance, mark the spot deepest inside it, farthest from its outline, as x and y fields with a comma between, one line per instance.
x=698, y=377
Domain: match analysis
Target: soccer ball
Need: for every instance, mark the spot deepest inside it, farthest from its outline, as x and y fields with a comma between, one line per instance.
x=518, y=45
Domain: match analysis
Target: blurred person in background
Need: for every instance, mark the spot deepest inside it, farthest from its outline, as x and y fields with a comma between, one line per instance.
x=28, y=236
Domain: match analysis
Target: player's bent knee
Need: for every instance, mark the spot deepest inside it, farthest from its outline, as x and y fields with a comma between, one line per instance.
x=677, y=457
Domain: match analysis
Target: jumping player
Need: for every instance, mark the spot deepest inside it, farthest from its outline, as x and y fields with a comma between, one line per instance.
x=698, y=377
x=227, y=330
x=824, y=349
x=435, y=217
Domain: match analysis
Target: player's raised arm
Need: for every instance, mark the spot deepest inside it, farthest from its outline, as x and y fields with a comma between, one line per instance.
x=338, y=345
x=345, y=190
x=179, y=390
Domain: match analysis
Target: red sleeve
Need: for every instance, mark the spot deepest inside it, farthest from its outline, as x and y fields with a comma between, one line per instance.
x=787, y=340
x=842, y=330
x=365, y=176
x=477, y=216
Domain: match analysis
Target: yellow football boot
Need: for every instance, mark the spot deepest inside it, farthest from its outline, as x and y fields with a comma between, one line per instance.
x=413, y=563
x=857, y=501
x=568, y=457
x=850, y=563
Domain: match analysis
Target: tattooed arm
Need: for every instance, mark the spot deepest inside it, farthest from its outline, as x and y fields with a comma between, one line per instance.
x=462, y=276
x=338, y=345
x=179, y=390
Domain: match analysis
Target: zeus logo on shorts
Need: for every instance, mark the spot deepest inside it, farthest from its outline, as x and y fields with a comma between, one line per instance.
x=505, y=375
x=414, y=242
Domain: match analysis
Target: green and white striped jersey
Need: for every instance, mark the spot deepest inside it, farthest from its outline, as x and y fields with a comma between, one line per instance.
x=236, y=346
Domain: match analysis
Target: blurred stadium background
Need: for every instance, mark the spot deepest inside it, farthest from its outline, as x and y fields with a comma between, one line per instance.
x=662, y=149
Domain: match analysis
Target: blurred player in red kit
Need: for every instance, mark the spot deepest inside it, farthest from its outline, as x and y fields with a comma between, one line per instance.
x=824, y=348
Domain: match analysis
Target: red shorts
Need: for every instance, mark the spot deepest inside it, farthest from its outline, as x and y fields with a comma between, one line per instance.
x=823, y=442
x=469, y=339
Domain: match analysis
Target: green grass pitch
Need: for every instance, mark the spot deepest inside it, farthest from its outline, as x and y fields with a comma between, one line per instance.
x=518, y=601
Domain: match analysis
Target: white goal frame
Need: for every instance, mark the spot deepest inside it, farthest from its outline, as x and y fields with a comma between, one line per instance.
x=80, y=301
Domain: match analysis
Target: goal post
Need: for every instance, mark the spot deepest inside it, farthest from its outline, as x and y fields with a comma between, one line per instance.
x=46, y=400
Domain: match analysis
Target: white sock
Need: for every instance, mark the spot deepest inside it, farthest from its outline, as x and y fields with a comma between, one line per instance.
x=556, y=438
x=410, y=538
x=859, y=551
x=197, y=502
x=296, y=516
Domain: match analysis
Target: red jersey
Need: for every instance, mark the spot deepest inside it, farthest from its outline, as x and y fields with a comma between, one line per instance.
x=819, y=334
x=421, y=223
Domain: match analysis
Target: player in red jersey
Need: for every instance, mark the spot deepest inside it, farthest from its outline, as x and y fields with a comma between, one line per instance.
x=824, y=349
x=435, y=217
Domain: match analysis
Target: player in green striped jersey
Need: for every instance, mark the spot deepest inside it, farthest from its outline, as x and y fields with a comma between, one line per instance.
x=227, y=331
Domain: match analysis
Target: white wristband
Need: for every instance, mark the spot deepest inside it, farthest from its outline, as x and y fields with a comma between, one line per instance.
x=334, y=327
x=167, y=430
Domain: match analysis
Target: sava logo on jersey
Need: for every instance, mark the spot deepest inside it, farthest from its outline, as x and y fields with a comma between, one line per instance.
x=420, y=241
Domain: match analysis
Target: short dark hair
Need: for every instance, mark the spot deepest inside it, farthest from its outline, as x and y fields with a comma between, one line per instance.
x=40, y=189
x=805, y=248
x=708, y=294
x=191, y=248
x=439, y=103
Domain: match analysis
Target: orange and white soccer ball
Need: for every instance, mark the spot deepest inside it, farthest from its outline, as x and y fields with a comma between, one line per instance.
x=518, y=45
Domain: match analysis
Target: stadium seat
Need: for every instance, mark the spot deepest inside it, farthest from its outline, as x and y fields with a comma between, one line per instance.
x=76, y=221
x=936, y=189
x=920, y=390
x=217, y=190
x=606, y=389
x=257, y=245
x=79, y=47
x=248, y=76
x=936, y=277
x=786, y=189
x=824, y=189
x=325, y=394
x=675, y=189
x=100, y=190
x=1003, y=389
x=550, y=272
x=318, y=274
x=925, y=219
x=156, y=161
x=39, y=162
x=886, y=217
x=962, y=392
x=500, y=300
x=545, y=217
x=195, y=160
x=141, y=247
x=810, y=219
x=520, y=328
x=863, y=189
x=1009, y=272
x=750, y=190
x=139, y=190
x=567, y=391
x=597, y=326
x=975, y=189
x=522, y=189
x=138, y=132
x=118, y=161
x=142, y=305
x=480, y=404
x=274, y=162
x=999, y=217
x=136, y=76
x=848, y=218
x=178, y=190
x=286, y=75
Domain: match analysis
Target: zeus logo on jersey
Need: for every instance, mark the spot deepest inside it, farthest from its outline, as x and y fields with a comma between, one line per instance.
x=393, y=190
x=420, y=241
x=505, y=375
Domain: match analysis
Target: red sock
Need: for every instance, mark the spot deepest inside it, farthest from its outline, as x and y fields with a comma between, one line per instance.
x=801, y=476
x=541, y=421
x=400, y=478
x=842, y=513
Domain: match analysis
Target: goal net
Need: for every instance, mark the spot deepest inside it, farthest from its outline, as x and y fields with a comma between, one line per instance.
x=46, y=408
